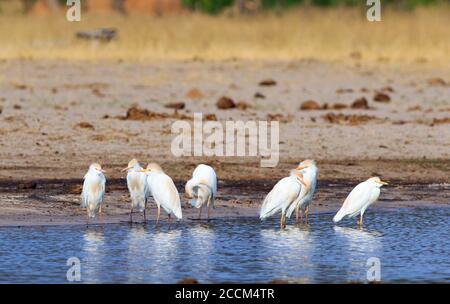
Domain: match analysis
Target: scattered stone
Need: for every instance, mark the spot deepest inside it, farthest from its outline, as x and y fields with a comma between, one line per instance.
x=17, y=107
x=135, y=113
x=387, y=89
x=267, y=82
x=259, y=95
x=437, y=82
x=225, y=103
x=279, y=117
x=175, y=105
x=194, y=94
x=381, y=97
x=339, y=106
x=97, y=92
x=84, y=125
x=1, y=110
x=347, y=119
x=211, y=117
x=242, y=105
x=27, y=185
x=360, y=103
x=444, y=120
x=344, y=91
x=310, y=105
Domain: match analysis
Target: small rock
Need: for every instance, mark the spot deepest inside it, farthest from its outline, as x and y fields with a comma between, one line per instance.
x=381, y=97
x=339, y=106
x=310, y=105
x=436, y=82
x=225, y=103
x=27, y=185
x=175, y=105
x=194, y=94
x=343, y=91
x=17, y=107
x=267, y=82
x=84, y=125
x=212, y=117
x=259, y=95
x=360, y=103
x=242, y=105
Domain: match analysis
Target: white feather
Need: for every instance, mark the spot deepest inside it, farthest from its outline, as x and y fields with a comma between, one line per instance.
x=284, y=193
x=165, y=193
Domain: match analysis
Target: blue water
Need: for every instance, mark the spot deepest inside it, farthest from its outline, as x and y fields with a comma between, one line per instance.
x=412, y=245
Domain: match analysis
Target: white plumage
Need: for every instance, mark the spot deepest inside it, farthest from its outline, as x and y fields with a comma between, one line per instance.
x=284, y=193
x=137, y=186
x=359, y=199
x=163, y=191
x=93, y=190
x=202, y=187
x=308, y=170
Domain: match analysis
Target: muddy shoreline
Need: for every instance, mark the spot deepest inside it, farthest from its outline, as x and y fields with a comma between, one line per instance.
x=56, y=201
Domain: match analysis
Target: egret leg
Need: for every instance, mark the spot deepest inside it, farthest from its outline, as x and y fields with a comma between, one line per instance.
x=157, y=217
x=145, y=217
x=301, y=216
x=208, y=206
x=168, y=219
x=296, y=215
x=87, y=217
x=306, y=214
x=131, y=215
x=360, y=222
x=200, y=213
x=281, y=221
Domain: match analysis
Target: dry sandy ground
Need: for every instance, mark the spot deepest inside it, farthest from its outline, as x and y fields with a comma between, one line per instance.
x=405, y=140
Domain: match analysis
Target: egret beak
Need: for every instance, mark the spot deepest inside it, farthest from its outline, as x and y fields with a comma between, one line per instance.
x=299, y=168
x=126, y=169
x=103, y=171
x=384, y=183
x=143, y=170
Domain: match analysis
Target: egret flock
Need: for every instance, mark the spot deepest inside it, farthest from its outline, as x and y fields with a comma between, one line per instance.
x=292, y=193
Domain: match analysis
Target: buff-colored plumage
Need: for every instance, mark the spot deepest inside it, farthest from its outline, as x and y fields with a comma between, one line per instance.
x=359, y=199
x=163, y=191
x=93, y=190
x=137, y=186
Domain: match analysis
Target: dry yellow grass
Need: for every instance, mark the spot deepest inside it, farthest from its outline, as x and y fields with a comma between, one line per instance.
x=304, y=33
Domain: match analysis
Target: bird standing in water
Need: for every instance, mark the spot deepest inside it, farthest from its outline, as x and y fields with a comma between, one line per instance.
x=137, y=186
x=361, y=197
x=93, y=190
x=308, y=170
x=202, y=187
x=163, y=191
x=283, y=194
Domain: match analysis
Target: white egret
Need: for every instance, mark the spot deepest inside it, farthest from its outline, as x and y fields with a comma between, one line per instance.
x=308, y=170
x=283, y=194
x=202, y=187
x=361, y=197
x=137, y=186
x=93, y=190
x=163, y=191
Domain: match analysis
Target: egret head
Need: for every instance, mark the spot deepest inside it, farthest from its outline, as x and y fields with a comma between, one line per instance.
x=307, y=163
x=152, y=168
x=131, y=164
x=377, y=181
x=95, y=167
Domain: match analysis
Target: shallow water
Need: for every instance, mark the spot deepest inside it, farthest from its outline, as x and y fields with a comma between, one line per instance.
x=412, y=245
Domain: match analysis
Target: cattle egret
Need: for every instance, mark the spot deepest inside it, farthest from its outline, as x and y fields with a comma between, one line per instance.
x=137, y=186
x=283, y=194
x=308, y=170
x=202, y=187
x=93, y=190
x=361, y=197
x=163, y=191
